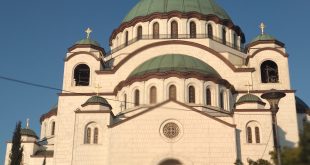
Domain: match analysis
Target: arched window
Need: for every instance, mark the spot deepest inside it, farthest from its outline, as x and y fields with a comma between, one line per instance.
x=191, y=94
x=208, y=96
x=172, y=92
x=174, y=29
x=126, y=38
x=249, y=135
x=235, y=41
x=139, y=33
x=192, y=29
x=224, y=36
x=88, y=136
x=137, y=98
x=222, y=99
x=53, y=128
x=156, y=30
x=210, y=31
x=257, y=135
x=81, y=75
x=153, y=95
x=96, y=135
x=125, y=101
x=170, y=162
x=269, y=72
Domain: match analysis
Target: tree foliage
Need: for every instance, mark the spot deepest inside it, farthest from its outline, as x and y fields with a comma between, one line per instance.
x=16, y=154
x=259, y=162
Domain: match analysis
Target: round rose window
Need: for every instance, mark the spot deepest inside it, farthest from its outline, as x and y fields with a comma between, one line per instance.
x=171, y=130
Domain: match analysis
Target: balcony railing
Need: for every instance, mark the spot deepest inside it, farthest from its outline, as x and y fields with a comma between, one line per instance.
x=178, y=36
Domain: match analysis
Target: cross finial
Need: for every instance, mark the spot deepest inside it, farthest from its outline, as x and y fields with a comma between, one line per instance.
x=98, y=87
x=262, y=27
x=27, y=123
x=249, y=85
x=88, y=31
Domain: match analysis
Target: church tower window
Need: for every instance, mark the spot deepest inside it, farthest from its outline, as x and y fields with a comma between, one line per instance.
x=172, y=92
x=269, y=72
x=81, y=75
x=153, y=95
x=257, y=135
x=88, y=136
x=156, y=30
x=174, y=30
x=208, y=96
x=210, y=31
x=191, y=94
x=96, y=135
x=224, y=36
x=139, y=33
x=53, y=128
x=137, y=98
x=192, y=29
x=249, y=135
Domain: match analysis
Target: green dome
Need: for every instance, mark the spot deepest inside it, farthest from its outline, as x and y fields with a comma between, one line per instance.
x=28, y=132
x=301, y=106
x=97, y=100
x=263, y=37
x=205, y=7
x=174, y=62
x=249, y=98
x=87, y=41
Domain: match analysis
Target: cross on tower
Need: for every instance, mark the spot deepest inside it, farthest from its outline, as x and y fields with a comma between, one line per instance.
x=27, y=123
x=98, y=87
x=88, y=31
x=249, y=85
x=262, y=27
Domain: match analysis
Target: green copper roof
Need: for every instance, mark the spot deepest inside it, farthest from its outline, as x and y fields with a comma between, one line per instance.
x=249, y=98
x=87, y=41
x=174, y=62
x=28, y=132
x=97, y=100
x=147, y=7
x=263, y=37
x=301, y=106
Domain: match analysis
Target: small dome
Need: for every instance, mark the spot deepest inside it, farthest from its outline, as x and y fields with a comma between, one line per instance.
x=97, y=100
x=301, y=106
x=52, y=112
x=249, y=98
x=174, y=62
x=264, y=37
x=87, y=41
x=28, y=132
x=147, y=7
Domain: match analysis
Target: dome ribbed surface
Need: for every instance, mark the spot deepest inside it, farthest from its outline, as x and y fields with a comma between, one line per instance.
x=147, y=7
x=264, y=37
x=301, y=106
x=28, y=132
x=249, y=98
x=87, y=41
x=174, y=62
x=97, y=100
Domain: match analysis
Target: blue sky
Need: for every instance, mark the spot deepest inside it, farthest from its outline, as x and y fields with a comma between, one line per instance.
x=35, y=35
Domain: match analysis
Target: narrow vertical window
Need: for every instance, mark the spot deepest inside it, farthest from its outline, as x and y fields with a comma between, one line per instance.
x=210, y=31
x=269, y=72
x=222, y=100
x=81, y=75
x=191, y=94
x=224, y=36
x=192, y=29
x=53, y=128
x=172, y=92
x=235, y=41
x=156, y=30
x=126, y=38
x=208, y=96
x=249, y=135
x=139, y=33
x=125, y=101
x=257, y=135
x=174, y=30
x=153, y=95
x=96, y=136
x=88, y=136
x=137, y=98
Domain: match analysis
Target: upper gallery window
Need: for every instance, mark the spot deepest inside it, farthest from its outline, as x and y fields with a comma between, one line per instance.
x=191, y=94
x=139, y=33
x=172, y=92
x=156, y=30
x=210, y=31
x=174, y=29
x=192, y=29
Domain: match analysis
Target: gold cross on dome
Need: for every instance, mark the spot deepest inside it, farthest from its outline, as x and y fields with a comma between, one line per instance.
x=98, y=87
x=249, y=85
x=88, y=31
x=27, y=123
x=262, y=27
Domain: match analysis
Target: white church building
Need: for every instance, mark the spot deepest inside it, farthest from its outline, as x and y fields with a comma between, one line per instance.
x=180, y=86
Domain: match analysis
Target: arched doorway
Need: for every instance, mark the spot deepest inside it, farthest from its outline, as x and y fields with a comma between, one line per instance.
x=170, y=162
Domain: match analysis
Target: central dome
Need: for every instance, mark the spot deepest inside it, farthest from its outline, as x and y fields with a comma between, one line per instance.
x=174, y=62
x=147, y=7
